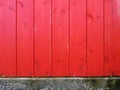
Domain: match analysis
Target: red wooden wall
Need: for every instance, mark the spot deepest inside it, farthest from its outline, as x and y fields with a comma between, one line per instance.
x=59, y=38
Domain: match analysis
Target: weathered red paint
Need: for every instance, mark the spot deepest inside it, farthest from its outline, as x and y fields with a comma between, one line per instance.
x=59, y=38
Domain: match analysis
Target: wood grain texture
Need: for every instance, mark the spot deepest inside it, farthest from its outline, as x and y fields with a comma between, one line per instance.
x=108, y=15
x=60, y=37
x=77, y=37
x=95, y=56
x=7, y=37
x=116, y=37
x=24, y=37
x=42, y=38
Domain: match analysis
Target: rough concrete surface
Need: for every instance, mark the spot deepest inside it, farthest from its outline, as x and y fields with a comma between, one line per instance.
x=59, y=83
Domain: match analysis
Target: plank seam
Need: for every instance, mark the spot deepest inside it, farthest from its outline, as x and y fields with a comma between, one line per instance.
x=67, y=74
x=16, y=41
x=33, y=37
x=103, y=38
x=86, y=39
x=51, y=37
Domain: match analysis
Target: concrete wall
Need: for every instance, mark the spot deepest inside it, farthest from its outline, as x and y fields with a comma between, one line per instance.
x=59, y=83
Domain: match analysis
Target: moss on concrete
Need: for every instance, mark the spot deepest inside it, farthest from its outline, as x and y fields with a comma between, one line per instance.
x=113, y=84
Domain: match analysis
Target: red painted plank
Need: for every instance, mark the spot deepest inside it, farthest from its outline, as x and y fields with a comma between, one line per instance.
x=116, y=36
x=25, y=37
x=108, y=63
x=95, y=37
x=78, y=38
x=60, y=37
x=8, y=37
x=43, y=38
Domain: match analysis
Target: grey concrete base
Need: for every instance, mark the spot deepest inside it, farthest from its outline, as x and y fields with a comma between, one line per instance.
x=59, y=83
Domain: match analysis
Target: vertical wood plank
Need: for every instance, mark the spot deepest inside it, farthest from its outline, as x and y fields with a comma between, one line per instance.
x=95, y=55
x=8, y=37
x=25, y=37
x=108, y=63
x=116, y=37
x=60, y=37
x=78, y=37
x=43, y=38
